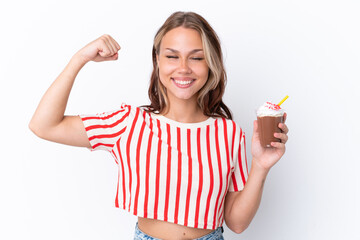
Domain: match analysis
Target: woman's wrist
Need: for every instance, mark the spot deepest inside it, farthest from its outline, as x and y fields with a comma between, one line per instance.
x=78, y=59
x=255, y=166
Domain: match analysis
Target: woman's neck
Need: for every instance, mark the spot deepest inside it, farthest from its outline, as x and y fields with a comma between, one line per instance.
x=185, y=112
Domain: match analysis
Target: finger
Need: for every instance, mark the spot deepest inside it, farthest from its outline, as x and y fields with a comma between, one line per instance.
x=110, y=46
x=114, y=57
x=283, y=137
x=114, y=44
x=104, y=50
x=278, y=145
x=108, y=50
x=114, y=47
x=110, y=42
x=283, y=127
x=110, y=58
x=117, y=45
x=285, y=116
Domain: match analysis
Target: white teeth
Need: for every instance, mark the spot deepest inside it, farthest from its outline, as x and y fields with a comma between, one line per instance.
x=183, y=82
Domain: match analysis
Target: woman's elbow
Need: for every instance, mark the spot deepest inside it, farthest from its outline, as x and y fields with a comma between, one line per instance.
x=32, y=127
x=236, y=227
x=36, y=129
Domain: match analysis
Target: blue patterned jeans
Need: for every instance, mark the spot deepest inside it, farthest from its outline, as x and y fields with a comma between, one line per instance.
x=215, y=235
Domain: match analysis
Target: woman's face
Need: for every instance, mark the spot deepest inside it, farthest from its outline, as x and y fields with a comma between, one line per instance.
x=182, y=66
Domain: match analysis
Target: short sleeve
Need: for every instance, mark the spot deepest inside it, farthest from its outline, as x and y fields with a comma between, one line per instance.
x=104, y=129
x=240, y=171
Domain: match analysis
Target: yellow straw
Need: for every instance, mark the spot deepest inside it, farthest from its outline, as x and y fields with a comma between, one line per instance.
x=286, y=97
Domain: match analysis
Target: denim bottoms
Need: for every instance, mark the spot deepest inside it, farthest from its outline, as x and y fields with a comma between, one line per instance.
x=215, y=235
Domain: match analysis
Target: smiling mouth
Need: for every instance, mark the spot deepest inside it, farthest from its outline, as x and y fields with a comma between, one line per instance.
x=183, y=83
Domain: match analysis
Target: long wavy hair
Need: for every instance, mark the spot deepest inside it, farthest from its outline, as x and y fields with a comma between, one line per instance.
x=210, y=95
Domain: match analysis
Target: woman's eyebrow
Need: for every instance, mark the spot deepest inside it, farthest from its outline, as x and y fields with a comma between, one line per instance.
x=192, y=51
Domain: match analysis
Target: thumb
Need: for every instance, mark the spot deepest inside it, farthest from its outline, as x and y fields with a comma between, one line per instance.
x=256, y=127
x=256, y=134
x=109, y=58
x=113, y=57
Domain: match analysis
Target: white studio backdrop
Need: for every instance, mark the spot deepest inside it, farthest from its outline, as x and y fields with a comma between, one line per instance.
x=308, y=50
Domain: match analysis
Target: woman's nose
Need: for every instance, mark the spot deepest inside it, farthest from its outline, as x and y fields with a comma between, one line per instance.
x=184, y=67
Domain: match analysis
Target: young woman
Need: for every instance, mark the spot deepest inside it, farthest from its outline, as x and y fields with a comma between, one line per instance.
x=181, y=159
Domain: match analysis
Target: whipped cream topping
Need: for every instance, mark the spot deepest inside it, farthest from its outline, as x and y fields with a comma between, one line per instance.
x=270, y=109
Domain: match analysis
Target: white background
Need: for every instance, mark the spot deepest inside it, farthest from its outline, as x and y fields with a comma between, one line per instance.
x=307, y=49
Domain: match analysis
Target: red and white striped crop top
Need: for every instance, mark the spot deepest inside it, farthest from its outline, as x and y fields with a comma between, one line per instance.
x=171, y=171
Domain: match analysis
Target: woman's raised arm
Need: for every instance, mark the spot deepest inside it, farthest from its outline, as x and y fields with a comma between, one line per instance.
x=48, y=121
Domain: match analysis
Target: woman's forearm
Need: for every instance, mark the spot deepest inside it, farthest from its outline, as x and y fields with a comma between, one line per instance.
x=240, y=207
x=51, y=108
x=245, y=204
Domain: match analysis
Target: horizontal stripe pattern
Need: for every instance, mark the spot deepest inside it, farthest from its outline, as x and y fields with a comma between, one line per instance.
x=104, y=129
x=168, y=170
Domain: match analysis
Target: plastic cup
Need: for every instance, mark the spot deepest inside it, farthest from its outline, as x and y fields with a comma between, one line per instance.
x=268, y=125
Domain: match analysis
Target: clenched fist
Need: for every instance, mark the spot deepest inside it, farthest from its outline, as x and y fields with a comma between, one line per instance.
x=102, y=49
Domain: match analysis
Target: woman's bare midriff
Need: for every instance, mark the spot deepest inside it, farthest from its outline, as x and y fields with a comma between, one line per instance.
x=166, y=230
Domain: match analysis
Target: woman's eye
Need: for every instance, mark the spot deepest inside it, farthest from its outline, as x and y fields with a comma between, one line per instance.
x=172, y=56
x=197, y=58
